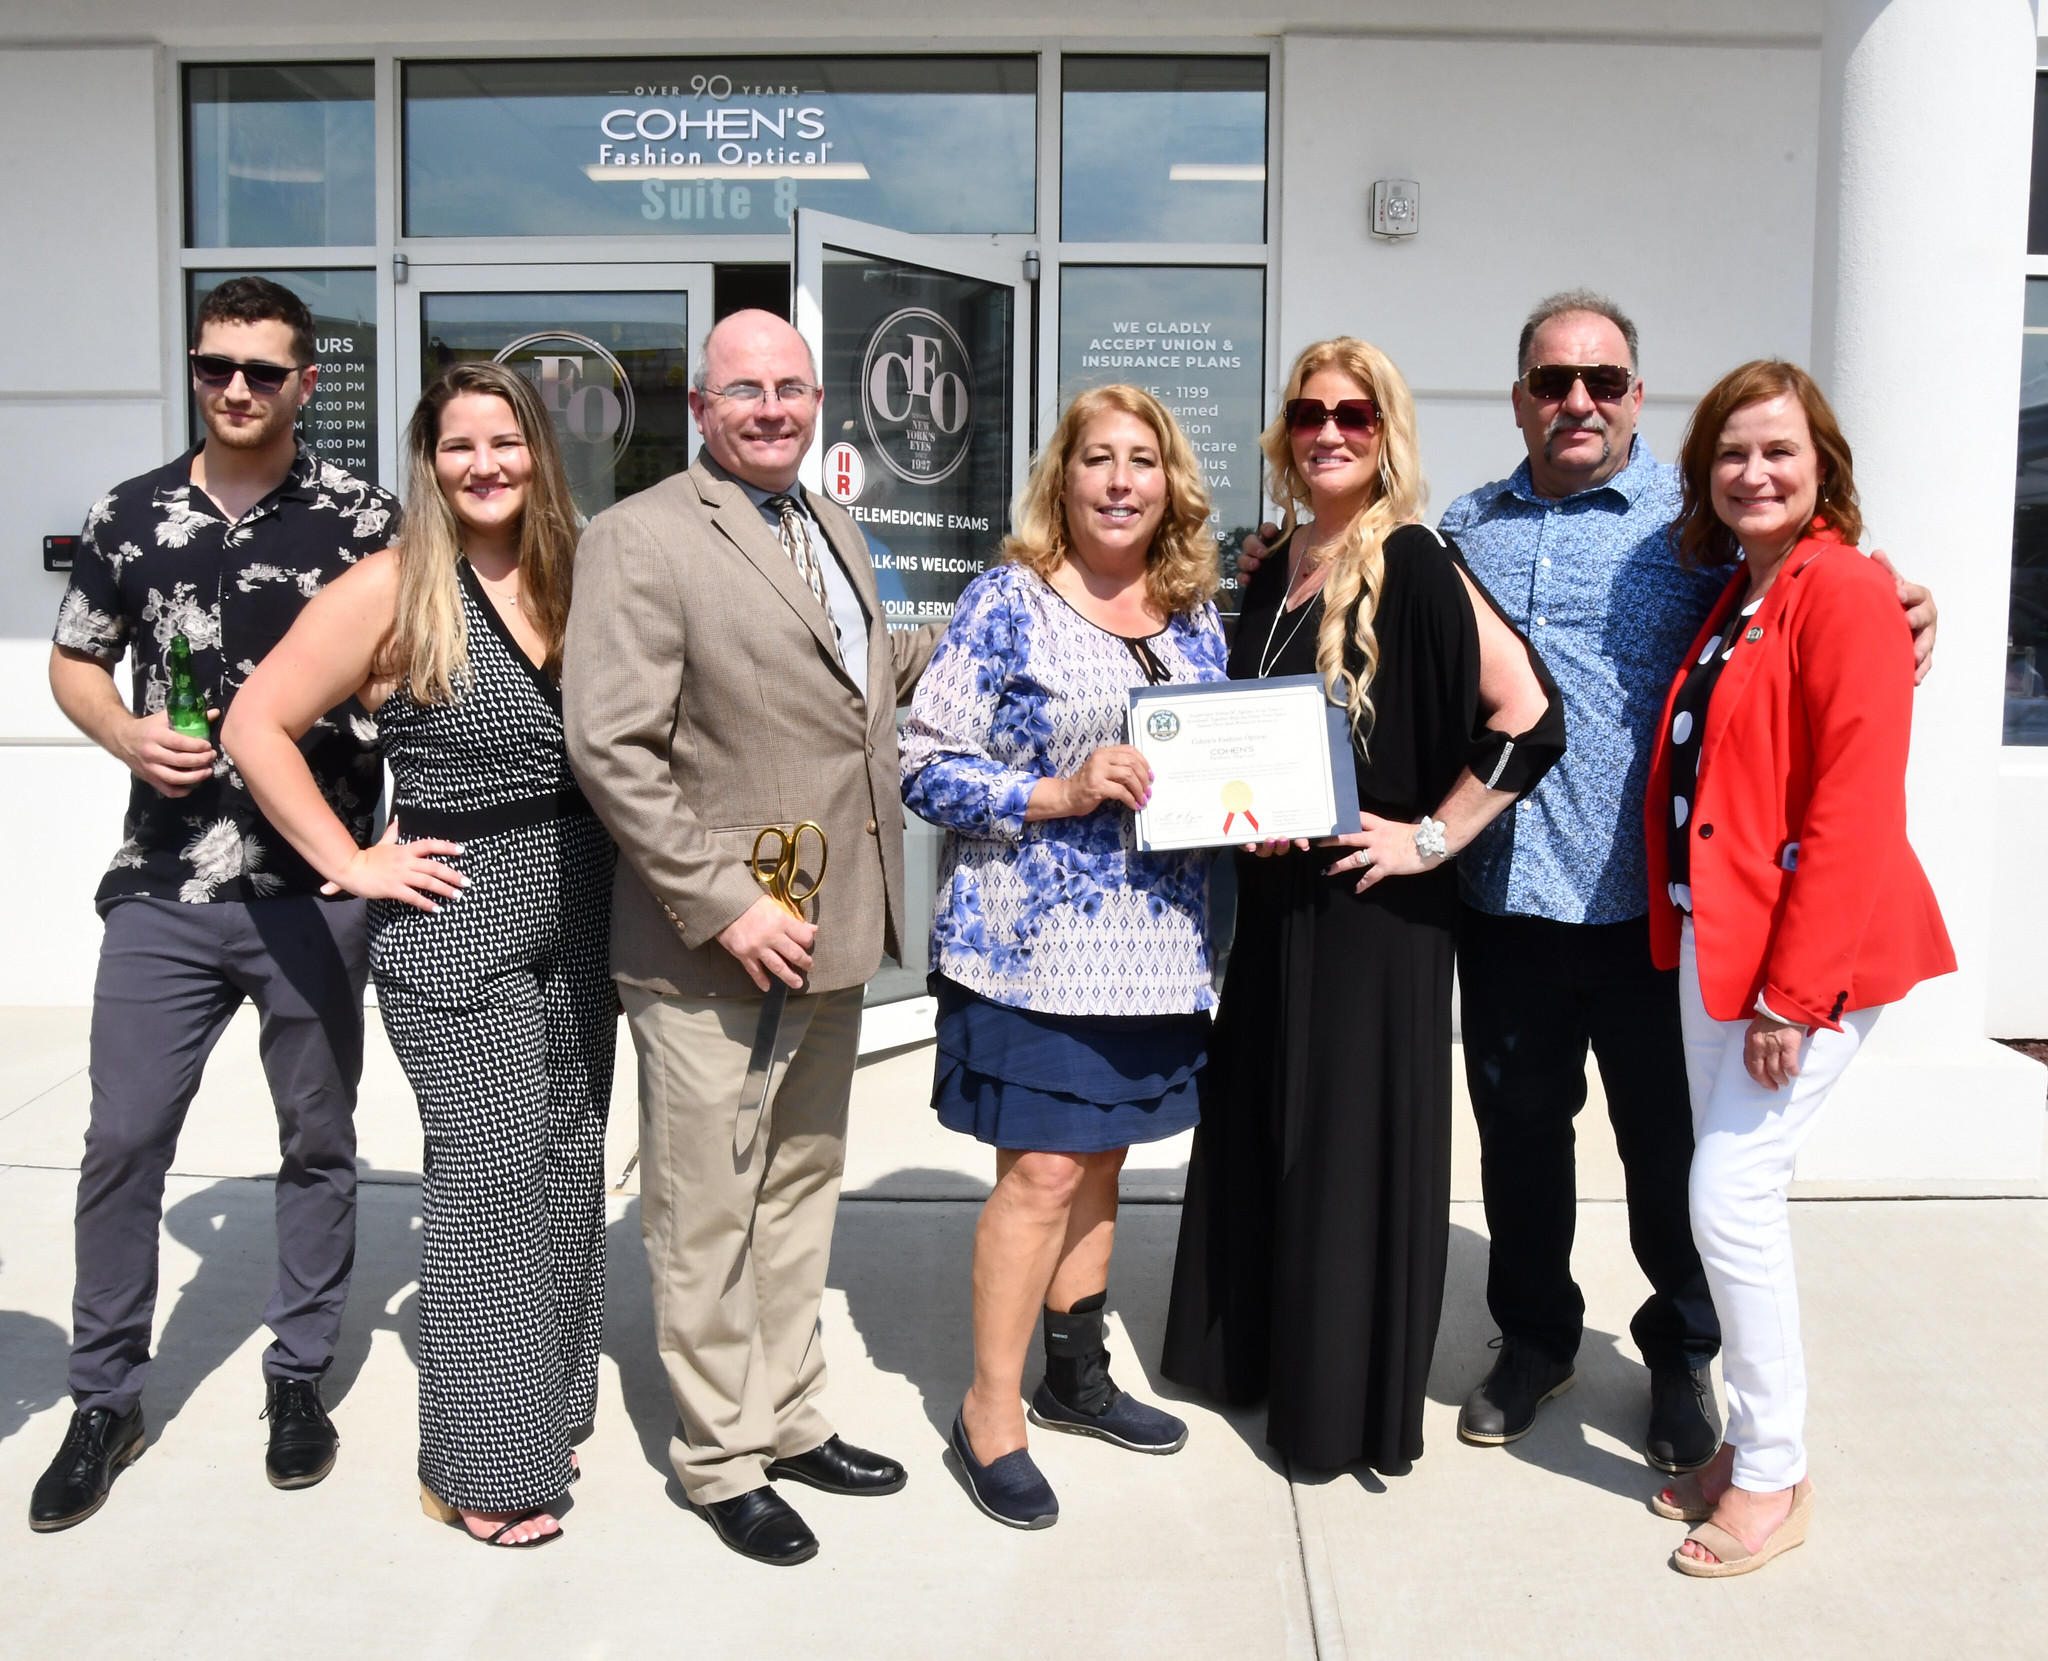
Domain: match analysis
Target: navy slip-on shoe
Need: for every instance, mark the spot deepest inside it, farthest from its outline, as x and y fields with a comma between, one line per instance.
x=1127, y=1422
x=1010, y=1489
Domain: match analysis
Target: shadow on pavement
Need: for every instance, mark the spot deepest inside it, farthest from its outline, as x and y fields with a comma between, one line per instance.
x=230, y=1226
x=32, y=1356
x=1612, y=1394
x=629, y=1341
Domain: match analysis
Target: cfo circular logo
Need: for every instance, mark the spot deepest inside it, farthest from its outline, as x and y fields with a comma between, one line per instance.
x=846, y=475
x=583, y=387
x=917, y=395
x=1163, y=724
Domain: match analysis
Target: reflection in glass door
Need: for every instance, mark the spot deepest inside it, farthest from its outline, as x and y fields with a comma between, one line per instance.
x=611, y=363
x=921, y=439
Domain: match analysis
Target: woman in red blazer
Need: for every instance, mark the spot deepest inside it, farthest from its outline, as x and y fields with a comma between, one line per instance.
x=1783, y=889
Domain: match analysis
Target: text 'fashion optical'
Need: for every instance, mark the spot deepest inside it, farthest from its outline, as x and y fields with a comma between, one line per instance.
x=1352, y=415
x=219, y=373
x=1605, y=382
x=747, y=392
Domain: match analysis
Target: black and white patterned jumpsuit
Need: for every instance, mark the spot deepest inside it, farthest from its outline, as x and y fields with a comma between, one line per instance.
x=501, y=1008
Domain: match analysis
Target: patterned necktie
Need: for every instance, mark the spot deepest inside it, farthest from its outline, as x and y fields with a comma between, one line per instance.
x=798, y=546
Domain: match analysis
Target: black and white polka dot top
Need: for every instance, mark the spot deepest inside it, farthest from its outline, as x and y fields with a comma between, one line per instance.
x=1688, y=733
x=492, y=760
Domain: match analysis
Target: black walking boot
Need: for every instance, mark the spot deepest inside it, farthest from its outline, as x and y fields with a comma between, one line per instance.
x=96, y=1447
x=1078, y=1394
x=1685, y=1429
x=1503, y=1408
x=302, y=1437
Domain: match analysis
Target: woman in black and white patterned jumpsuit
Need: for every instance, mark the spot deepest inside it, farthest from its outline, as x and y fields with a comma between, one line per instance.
x=490, y=916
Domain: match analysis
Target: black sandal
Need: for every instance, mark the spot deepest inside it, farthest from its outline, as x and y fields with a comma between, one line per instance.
x=442, y=1512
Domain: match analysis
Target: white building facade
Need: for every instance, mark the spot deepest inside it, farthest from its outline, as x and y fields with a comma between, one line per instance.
x=986, y=206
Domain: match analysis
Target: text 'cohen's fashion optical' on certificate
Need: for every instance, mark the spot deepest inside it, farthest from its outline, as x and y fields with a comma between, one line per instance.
x=1242, y=761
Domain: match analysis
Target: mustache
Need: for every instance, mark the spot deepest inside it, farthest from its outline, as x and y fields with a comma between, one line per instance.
x=1591, y=422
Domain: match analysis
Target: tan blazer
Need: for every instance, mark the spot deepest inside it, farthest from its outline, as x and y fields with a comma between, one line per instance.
x=704, y=698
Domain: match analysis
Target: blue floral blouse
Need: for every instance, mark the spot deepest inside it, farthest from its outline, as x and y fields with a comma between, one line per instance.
x=1062, y=916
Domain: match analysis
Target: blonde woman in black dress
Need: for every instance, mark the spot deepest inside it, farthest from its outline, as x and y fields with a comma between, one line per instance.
x=489, y=931
x=1311, y=1263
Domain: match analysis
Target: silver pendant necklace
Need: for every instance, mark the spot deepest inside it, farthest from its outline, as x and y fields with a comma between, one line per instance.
x=1270, y=655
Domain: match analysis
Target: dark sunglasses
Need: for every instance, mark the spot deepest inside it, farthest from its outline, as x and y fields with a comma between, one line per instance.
x=219, y=373
x=1605, y=382
x=1311, y=415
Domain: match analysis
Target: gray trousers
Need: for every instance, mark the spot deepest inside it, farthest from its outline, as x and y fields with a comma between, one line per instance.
x=170, y=978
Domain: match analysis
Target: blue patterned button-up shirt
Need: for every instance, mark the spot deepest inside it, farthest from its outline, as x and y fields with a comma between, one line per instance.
x=1594, y=581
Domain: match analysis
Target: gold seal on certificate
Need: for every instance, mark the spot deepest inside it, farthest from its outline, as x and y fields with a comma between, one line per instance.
x=1242, y=761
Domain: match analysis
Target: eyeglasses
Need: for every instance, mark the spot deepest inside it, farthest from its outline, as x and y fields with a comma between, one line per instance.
x=1605, y=382
x=747, y=392
x=1311, y=415
x=219, y=373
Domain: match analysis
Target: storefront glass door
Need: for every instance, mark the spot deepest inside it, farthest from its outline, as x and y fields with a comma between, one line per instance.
x=609, y=347
x=923, y=349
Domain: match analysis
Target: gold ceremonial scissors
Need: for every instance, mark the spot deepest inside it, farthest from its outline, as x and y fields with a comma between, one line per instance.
x=781, y=873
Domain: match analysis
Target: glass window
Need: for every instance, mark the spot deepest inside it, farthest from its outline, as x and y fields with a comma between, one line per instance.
x=340, y=422
x=1194, y=337
x=613, y=370
x=718, y=146
x=2026, y=651
x=1163, y=149
x=280, y=155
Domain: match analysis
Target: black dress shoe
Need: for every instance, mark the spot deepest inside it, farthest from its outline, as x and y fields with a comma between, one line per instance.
x=841, y=1468
x=1503, y=1408
x=302, y=1437
x=761, y=1524
x=1685, y=1430
x=98, y=1445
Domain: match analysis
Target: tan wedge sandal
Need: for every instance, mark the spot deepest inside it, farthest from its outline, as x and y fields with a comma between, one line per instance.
x=442, y=1512
x=1687, y=1503
x=1735, y=1557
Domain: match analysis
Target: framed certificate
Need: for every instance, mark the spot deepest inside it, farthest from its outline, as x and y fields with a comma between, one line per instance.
x=1243, y=761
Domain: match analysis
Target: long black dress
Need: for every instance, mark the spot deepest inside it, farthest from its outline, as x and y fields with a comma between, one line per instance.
x=1317, y=1220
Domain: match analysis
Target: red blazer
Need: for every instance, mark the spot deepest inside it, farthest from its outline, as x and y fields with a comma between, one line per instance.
x=1804, y=886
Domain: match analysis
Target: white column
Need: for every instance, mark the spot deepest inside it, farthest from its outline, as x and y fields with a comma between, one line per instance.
x=1920, y=242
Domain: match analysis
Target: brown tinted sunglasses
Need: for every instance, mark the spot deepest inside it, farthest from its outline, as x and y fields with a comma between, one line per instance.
x=1311, y=415
x=1605, y=382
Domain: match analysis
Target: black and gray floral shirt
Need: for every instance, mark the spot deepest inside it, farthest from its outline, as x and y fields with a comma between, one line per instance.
x=158, y=558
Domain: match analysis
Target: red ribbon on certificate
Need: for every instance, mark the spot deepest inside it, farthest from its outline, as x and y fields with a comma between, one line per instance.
x=1237, y=799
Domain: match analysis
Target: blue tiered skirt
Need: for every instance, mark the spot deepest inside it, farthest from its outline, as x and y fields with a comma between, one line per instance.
x=1015, y=1078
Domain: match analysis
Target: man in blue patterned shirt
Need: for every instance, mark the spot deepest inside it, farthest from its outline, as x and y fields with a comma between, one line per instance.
x=1553, y=951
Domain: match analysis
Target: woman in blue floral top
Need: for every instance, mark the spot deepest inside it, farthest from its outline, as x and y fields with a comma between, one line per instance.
x=1072, y=971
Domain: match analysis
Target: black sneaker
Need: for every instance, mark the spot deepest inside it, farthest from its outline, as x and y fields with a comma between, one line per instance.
x=98, y=1445
x=302, y=1437
x=1685, y=1429
x=1503, y=1408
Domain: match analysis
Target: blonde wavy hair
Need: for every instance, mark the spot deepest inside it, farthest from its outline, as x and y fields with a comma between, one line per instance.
x=1358, y=566
x=1182, y=568
x=429, y=641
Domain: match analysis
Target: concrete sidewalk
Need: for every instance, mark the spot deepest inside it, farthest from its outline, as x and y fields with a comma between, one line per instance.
x=1925, y=1331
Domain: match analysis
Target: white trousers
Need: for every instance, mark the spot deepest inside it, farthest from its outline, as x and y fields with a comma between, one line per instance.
x=1746, y=1137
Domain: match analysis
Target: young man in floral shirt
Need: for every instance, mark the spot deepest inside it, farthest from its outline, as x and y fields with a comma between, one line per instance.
x=204, y=903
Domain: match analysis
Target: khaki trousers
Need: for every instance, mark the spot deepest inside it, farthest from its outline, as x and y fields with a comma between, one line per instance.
x=737, y=1246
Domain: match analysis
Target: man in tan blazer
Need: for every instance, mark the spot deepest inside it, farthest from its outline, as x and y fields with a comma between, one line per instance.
x=728, y=667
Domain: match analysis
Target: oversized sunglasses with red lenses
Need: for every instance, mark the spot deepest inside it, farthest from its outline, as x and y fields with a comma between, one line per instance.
x=1605, y=382
x=1352, y=415
x=218, y=373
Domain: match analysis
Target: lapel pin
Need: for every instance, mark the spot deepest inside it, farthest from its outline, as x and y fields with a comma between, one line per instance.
x=1754, y=636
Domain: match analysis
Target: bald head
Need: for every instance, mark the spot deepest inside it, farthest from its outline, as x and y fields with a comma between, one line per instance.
x=761, y=439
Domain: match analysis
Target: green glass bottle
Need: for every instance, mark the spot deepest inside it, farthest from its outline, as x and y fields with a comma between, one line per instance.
x=185, y=707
